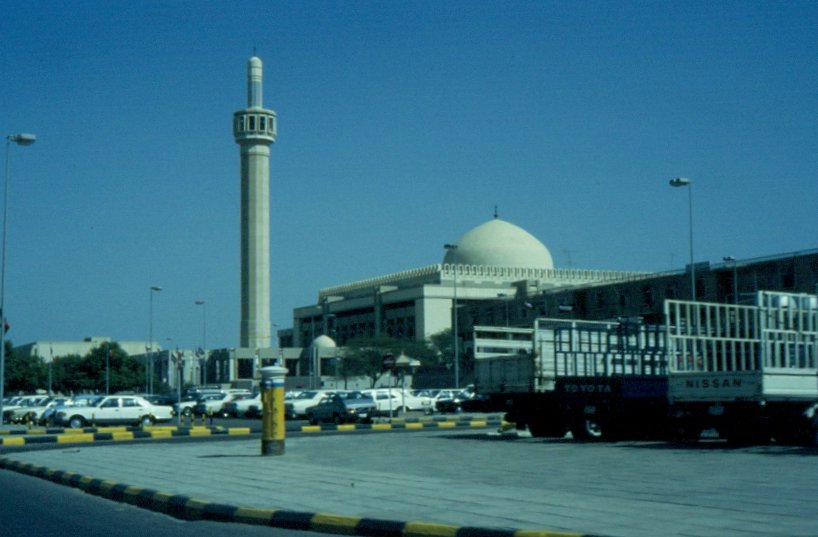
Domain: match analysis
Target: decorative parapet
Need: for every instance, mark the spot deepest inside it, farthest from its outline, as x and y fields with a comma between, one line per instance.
x=552, y=276
x=427, y=274
x=438, y=273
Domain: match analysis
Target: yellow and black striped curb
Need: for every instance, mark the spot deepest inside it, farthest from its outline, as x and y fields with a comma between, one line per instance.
x=403, y=425
x=74, y=436
x=187, y=508
x=94, y=434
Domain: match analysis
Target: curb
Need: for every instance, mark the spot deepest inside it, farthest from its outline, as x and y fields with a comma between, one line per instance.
x=124, y=434
x=74, y=436
x=187, y=508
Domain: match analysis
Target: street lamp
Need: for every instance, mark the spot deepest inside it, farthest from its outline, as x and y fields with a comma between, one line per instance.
x=203, y=304
x=678, y=182
x=731, y=259
x=19, y=139
x=149, y=365
x=453, y=248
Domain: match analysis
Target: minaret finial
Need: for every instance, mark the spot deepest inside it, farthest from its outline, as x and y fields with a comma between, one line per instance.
x=254, y=93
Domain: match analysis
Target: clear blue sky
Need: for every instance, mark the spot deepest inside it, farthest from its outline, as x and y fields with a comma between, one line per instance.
x=401, y=126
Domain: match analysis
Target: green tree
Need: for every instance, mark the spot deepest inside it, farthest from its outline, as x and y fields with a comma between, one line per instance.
x=23, y=374
x=78, y=374
x=64, y=377
x=123, y=372
x=364, y=356
x=443, y=347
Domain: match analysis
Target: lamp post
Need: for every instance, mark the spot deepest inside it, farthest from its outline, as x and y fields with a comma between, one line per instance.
x=731, y=259
x=149, y=365
x=453, y=248
x=203, y=304
x=679, y=182
x=19, y=139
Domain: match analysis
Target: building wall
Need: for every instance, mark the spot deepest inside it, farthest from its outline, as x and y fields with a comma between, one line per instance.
x=48, y=350
x=434, y=314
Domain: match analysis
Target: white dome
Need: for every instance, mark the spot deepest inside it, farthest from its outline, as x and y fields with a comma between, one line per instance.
x=500, y=244
x=324, y=342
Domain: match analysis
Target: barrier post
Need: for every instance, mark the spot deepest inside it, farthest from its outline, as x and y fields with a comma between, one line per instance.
x=272, y=410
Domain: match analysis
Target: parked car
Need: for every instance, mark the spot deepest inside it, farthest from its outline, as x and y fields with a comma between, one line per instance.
x=398, y=400
x=245, y=407
x=24, y=408
x=478, y=402
x=450, y=400
x=189, y=400
x=35, y=413
x=113, y=410
x=342, y=407
x=296, y=407
x=49, y=415
x=211, y=405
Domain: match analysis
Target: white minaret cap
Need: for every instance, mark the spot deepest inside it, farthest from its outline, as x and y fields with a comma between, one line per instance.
x=254, y=82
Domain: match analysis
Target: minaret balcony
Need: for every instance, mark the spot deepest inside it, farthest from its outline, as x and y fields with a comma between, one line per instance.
x=254, y=126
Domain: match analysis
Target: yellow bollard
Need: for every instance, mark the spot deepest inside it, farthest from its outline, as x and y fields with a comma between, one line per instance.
x=272, y=410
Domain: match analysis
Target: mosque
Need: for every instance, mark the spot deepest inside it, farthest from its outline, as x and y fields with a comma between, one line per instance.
x=496, y=274
x=495, y=261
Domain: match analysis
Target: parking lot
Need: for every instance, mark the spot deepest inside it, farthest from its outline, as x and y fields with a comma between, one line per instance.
x=479, y=478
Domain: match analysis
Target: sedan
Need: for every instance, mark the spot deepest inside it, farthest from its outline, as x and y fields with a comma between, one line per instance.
x=342, y=408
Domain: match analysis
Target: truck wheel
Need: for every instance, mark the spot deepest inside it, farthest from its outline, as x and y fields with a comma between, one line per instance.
x=587, y=429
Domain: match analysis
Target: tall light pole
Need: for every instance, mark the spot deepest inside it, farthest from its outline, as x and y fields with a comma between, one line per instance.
x=19, y=139
x=203, y=304
x=731, y=259
x=149, y=364
x=678, y=182
x=452, y=248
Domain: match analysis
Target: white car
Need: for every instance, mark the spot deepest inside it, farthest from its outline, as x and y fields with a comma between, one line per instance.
x=401, y=400
x=114, y=410
x=298, y=405
x=185, y=407
x=33, y=412
x=213, y=404
x=24, y=407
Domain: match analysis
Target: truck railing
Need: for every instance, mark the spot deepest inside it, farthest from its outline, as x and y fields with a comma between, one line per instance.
x=728, y=352
x=780, y=331
x=600, y=348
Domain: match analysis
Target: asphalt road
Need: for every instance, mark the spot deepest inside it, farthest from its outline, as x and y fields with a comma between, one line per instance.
x=32, y=506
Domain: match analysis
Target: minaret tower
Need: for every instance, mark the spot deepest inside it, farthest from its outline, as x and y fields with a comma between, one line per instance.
x=255, y=129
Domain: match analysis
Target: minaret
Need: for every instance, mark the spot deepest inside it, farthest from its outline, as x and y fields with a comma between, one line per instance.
x=255, y=129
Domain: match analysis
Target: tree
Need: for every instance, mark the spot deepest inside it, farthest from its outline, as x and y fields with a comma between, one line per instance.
x=76, y=374
x=23, y=374
x=125, y=373
x=443, y=346
x=364, y=355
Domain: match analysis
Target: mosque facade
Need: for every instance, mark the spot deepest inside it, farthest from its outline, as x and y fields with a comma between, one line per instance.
x=496, y=261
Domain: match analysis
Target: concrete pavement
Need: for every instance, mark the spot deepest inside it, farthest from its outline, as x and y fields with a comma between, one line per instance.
x=457, y=482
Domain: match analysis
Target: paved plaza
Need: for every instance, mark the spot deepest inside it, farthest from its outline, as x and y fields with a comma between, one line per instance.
x=479, y=479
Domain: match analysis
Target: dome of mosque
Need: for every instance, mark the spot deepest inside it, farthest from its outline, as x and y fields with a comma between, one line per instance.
x=499, y=243
x=324, y=342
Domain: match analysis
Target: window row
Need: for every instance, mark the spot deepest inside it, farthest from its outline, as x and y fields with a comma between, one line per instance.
x=246, y=123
